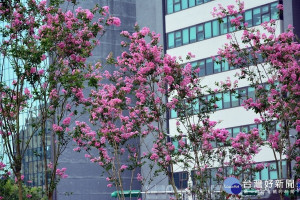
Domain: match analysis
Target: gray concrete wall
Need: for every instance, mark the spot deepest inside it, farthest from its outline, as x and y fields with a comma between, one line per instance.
x=86, y=180
x=149, y=13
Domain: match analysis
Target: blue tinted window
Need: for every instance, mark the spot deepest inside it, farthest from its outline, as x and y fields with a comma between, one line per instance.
x=202, y=68
x=256, y=17
x=170, y=6
x=171, y=40
x=198, y=2
x=231, y=26
x=209, y=66
x=234, y=100
x=173, y=114
x=193, y=34
x=207, y=30
x=217, y=67
x=216, y=28
x=219, y=101
x=177, y=6
x=185, y=34
x=200, y=32
x=224, y=25
x=225, y=66
x=274, y=11
x=184, y=4
x=191, y=3
x=248, y=17
x=178, y=38
x=226, y=99
x=265, y=13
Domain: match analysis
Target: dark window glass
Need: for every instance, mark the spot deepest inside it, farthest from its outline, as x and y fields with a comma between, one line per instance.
x=200, y=32
x=209, y=66
x=205, y=1
x=170, y=6
x=248, y=17
x=208, y=31
x=274, y=11
x=196, y=106
x=202, y=68
x=191, y=3
x=216, y=28
x=193, y=34
x=184, y=4
x=178, y=39
x=226, y=99
x=256, y=16
x=185, y=34
x=245, y=129
x=224, y=25
x=171, y=40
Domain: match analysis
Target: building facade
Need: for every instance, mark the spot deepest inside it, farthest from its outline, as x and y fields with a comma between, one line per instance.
x=190, y=27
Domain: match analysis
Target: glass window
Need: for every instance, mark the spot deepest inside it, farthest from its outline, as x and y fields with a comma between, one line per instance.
x=274, y=11
x=264, y=174
x=248, y=17
x=170, y=6
x=171, y=40
x=224, y=25
x=205, y=1
x=173, y=113
x=284, y=169
x=178, y=38
x=185, y=34
x=219, y=101
x=195, y=66
x=198, y=2
x=207, y=28
x=262, y=132
x=175, y=143
x=273, y=171
x=196, y=106
x=177, y=5
x=216, y=28
x=225, y=66
x=193, y=34
x=234, y=100
x=209, y=66
x=191, y=3
x=231, y=26
x=200, y=32
x=242, y=95
x=229, y=133
x=265, y=13
x=202, y=68
x=217, y=67
x=184, y=4
x=256, y=17
x=251, y=93
x=235, y=131
x=226, y=99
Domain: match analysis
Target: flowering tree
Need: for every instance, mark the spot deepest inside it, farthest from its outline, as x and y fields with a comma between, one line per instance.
x=129, y=104
x=45, y=49
x=270, y=62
